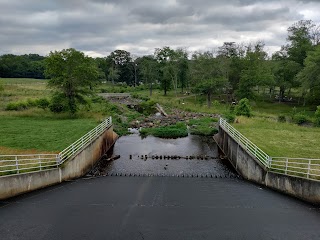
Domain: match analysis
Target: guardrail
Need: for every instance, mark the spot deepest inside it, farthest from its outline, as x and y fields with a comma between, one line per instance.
x=246, y=143
x=297, y=167
x=84, y=140
x=17, y=164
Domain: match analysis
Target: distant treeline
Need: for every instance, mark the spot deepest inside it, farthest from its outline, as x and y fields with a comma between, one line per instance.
x=242, y=70
x=23, y=66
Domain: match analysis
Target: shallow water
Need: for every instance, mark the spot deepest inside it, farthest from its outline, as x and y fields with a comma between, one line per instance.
x=133, y=161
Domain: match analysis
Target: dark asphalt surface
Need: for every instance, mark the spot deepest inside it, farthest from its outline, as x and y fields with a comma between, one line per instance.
x=157, y=208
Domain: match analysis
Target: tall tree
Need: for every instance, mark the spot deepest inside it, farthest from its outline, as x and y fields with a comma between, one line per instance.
x=299, y=40
x=121, y=60
x=310, y=75
x=256, y=72
x=149, y=70
x=208, y=75
x=72, y=75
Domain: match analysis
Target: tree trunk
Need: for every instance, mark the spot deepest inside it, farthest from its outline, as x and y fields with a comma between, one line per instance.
x=150, y=88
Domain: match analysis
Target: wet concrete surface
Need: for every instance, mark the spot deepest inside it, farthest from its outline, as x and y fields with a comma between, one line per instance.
x=157, y=208
x=192, y=156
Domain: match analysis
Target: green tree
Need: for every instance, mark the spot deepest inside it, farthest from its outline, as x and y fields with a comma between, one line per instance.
x=285, y=71
x=300, y=40
x=121, y=62
x=72, y=75
x=149, y=70
x=208, y=75
x=256, y=72
x=310, y=75
x=243, y=108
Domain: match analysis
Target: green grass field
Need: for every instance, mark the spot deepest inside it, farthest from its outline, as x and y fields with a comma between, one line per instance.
x=37, y=134
x=281, y=139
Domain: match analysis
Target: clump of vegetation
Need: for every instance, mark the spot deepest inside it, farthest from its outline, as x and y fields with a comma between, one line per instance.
x=203, y=126
x=300, y=118
x=230, y=117
x=282, y=118
x=147, y=107
x=29, y=103
x=243, y=108
x=173, y=131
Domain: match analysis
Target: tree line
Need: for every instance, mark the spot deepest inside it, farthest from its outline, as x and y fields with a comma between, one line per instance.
x=238, y=69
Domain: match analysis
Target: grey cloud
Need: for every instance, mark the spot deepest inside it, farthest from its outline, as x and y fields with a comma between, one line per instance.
x=140, y=26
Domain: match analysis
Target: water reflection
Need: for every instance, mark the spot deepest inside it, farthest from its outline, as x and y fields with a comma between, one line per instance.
x=133, y=149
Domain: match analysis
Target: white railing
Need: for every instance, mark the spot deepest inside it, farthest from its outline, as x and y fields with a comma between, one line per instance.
x=84, y=140
x=16, y=164
x=246, y=143
x=297, y=167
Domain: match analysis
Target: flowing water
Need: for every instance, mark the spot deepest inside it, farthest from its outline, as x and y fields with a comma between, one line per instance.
x=192, y=156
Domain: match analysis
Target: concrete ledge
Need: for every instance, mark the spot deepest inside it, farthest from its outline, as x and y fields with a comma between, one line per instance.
x=75, y=167
x=251, y=169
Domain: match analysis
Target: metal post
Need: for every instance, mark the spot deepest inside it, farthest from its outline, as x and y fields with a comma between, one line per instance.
x=286, y=170
x=309, y=166
x=40, y=162
x=17, y=164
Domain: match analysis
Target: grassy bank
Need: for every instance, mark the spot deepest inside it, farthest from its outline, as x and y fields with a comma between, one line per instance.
x=281, y=139
x=35, y=134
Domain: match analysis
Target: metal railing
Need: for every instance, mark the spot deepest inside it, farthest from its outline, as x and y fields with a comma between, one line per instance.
x=84, y=140
x=245, y=143
x=297, y=167
x=17, y=164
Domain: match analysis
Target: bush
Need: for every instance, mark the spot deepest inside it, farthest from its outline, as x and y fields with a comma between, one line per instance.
x=173, y=131
x=42, y=103
x=16, y=106
x=58, y=104
x=230, y=117
x=243, y=108
x=282, y=118
x=147, y=107
x=300, y=118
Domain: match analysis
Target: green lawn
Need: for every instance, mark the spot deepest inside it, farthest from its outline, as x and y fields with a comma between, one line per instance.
x=42, y=134
x=281, y=139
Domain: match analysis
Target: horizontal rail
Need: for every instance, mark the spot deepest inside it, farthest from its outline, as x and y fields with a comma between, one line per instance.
x=17, y=164
x=245, y=143
x=297, y=167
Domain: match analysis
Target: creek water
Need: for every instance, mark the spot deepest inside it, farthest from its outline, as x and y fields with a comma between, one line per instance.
x=153, y=156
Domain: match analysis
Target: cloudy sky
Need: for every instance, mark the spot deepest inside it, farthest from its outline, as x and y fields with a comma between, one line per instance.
x=98, y=27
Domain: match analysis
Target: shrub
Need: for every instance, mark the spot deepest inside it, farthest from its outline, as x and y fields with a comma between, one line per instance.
x=42, y=103
x=16, y=106
x=58, y=104
x=300, y=118
x=282, y=118
x=230, y=117
x=243, y=108
x=173, y=131
x=147, y=107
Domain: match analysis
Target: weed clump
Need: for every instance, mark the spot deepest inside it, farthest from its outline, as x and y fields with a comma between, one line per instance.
x=173, y=131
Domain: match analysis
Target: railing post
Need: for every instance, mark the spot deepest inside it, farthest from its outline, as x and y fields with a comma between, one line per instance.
x=269, y=162
x=286, y=169
x=17, y=164
x=39, y=162
x=58, y=159
x=309, y=166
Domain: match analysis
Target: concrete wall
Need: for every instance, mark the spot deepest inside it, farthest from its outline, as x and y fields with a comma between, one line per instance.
x=251, y=169
x=75, y=167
